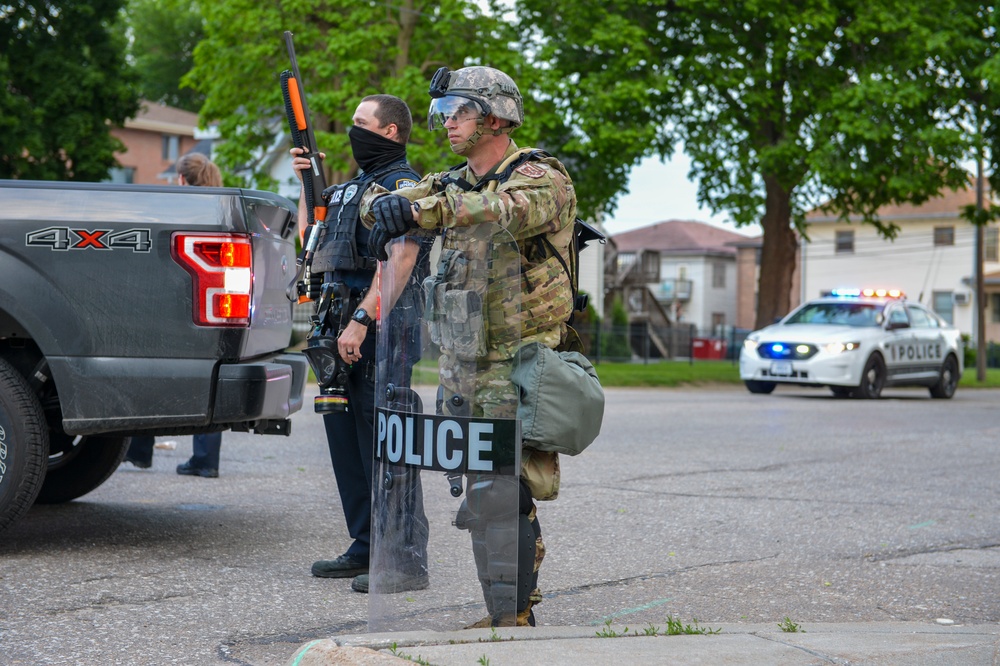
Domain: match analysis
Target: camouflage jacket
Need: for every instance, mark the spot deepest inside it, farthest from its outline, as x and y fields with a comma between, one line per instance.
x=536, y=205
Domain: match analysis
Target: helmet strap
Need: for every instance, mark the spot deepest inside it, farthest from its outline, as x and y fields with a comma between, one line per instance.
x=473, y=139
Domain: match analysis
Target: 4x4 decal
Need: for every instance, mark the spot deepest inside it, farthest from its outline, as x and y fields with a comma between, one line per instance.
x=64, y=238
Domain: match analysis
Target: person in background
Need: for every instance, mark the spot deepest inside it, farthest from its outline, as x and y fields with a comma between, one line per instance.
x=196, y=169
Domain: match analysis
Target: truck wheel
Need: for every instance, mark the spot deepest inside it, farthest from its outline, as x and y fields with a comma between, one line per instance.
x=77, y=465
x=24, y=445
x=872, y=379
x=948, y=381
x=759, y=387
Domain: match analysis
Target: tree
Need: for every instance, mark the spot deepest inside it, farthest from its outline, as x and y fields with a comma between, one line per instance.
x=164, y=35
x=346, y=50
x=783, y=107
x=66, y=83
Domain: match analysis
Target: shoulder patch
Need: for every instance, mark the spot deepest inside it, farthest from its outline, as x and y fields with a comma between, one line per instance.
x=531, y=170
x=403, y=183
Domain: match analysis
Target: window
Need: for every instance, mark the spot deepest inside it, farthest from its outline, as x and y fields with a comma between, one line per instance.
x=919, y=318
x=845, y=242
x=991, y=244
x=718, y=275
x=898, y=316
x=718, y=321
x=944, y=304
x=995, y=308
x=944, y=236
x=124, y=175
x=171, y=147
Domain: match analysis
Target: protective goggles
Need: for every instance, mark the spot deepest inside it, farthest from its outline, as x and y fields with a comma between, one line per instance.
x=454, y=108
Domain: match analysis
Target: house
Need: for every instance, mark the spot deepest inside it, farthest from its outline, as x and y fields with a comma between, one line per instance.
x=154, y=139
x=696, y=276
x=932, y=259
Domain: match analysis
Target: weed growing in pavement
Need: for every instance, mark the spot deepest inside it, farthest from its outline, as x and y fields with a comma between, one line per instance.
x=483, y=661
x=674, y=628
x=608, y=632
x=790, y=627
x=416, y=660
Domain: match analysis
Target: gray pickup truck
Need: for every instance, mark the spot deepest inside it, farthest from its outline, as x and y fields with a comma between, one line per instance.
x=131, y=309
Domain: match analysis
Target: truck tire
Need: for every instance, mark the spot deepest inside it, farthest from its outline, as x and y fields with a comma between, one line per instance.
x=947, y=381
x=24, y=446
x=77, y=465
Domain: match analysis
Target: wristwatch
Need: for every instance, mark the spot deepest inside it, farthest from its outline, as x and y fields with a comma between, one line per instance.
x=361, y=316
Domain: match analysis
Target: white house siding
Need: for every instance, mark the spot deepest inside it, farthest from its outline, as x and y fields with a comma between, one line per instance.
x=911, y=262
x=705, y=300
x=592, y=274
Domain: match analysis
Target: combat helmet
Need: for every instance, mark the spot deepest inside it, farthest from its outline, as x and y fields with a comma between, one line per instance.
x=493, y=92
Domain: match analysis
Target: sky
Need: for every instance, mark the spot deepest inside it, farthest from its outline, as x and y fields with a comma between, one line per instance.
x=660, y=191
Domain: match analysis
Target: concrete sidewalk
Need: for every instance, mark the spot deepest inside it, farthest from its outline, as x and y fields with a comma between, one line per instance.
x=888, y=643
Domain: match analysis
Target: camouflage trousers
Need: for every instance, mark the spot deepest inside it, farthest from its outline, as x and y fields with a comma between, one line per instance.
x=483, y=388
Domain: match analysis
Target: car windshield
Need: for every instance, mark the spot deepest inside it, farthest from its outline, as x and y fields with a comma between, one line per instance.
x=840, y=314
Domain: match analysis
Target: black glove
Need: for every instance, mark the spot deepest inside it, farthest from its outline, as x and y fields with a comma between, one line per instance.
x=393, y=218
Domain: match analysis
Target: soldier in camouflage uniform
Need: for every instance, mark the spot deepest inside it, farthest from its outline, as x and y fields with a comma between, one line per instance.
x=534, y=200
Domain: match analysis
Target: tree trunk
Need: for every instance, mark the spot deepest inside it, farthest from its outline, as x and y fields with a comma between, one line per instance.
x=777, y=257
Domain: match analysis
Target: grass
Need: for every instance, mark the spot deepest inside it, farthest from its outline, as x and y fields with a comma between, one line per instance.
x=679, y=373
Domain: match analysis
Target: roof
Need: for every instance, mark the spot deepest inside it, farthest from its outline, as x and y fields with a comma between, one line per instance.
x=162, y=118
x=947, y=205
x=680, y=237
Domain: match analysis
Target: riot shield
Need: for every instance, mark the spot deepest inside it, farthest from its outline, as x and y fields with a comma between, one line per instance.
x=445, y=512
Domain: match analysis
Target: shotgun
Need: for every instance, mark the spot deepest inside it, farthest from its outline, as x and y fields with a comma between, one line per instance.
x=313, y=181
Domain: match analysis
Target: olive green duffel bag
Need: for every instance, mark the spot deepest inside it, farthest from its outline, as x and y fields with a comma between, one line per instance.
x=561, y=400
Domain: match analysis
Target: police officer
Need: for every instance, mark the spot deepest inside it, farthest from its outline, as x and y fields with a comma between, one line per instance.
x=534, y=200
x=381, y=128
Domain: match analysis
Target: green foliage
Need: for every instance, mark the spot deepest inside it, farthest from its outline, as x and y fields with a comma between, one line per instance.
x=346, y=50
x=164, y=36
x=615, y=344
x=674, y=627
x=782, y=107
x=790, y=627
x=65, y=83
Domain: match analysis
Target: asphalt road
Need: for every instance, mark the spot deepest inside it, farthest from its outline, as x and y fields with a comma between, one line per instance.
x=704, y=505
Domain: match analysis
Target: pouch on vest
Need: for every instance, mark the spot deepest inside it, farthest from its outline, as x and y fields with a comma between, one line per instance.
x=561, y=403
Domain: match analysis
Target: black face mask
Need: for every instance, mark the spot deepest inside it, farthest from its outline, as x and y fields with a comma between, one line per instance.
x=373, y=150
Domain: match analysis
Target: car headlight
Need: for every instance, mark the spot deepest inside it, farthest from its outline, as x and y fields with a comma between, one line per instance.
x=750, y=345
x=838, y=347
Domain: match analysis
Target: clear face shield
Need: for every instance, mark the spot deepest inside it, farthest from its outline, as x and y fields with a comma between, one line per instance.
x=452, y=108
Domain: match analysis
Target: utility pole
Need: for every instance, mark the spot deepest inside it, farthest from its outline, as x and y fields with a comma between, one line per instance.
x=980, y=283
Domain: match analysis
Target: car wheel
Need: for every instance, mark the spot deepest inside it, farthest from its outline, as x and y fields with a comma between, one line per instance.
x=841, y=391
x=24, y=445
x=77, y=465
x=948, y=381
x=872, y=379
x=759, y=387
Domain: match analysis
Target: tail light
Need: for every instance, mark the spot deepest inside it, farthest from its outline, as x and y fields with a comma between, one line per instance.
x=221, y=266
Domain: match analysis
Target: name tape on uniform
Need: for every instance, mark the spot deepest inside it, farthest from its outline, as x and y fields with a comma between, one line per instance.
x=446, y=443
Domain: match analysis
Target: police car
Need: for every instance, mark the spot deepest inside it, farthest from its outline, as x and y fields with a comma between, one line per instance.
x=856, y=342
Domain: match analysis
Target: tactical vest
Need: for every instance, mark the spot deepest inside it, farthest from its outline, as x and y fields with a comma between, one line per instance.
x=343, y=247
x=583, y=233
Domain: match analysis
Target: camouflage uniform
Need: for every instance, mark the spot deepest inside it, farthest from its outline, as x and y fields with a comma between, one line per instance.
x=537, y=200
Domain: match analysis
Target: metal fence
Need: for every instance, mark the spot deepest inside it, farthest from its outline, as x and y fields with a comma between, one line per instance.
x=644, y=342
